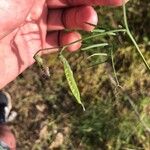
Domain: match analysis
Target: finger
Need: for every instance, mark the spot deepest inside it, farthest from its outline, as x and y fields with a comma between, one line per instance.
x=72, y=18
x=7, y=136
x=65, y=3
x=52, y=42
x=59, y=39
x=72, y=39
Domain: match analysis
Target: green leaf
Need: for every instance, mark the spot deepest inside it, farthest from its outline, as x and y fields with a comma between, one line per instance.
x=94, y=46
x=98, y=54
x=98, y=31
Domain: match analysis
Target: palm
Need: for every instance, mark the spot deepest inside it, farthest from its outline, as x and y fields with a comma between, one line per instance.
x=20, y=45
x=24, y=25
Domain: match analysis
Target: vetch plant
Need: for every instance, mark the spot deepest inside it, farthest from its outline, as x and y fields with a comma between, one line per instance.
x=96, y=33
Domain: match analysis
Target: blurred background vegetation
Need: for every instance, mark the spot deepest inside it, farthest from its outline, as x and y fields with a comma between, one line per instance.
x=48, y=116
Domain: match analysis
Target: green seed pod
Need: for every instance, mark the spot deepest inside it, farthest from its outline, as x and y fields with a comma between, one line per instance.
x=71, y=80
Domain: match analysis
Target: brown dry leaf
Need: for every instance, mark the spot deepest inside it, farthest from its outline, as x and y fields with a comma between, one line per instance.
x=59, y=139
x=41, y=108
x=44, y=132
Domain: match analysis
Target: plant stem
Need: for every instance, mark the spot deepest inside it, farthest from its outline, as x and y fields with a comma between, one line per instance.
x=113, y=66
x=84, y=39
x=131, y=37
x=128, y=98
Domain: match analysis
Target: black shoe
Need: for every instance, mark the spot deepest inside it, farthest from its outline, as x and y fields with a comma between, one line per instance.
x=5, y=106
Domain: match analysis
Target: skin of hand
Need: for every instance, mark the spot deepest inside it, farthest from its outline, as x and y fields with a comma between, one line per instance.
x=7, y=136
x=27, y=26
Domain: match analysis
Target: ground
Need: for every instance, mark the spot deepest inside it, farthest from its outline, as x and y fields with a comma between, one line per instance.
x=48, y=115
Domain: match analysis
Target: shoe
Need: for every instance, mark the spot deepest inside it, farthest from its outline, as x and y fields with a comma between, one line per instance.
x=7, y=139
x=5, y=106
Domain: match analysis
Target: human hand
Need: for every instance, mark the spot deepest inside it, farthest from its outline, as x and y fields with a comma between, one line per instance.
x=24, y=26
x=7, y=136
